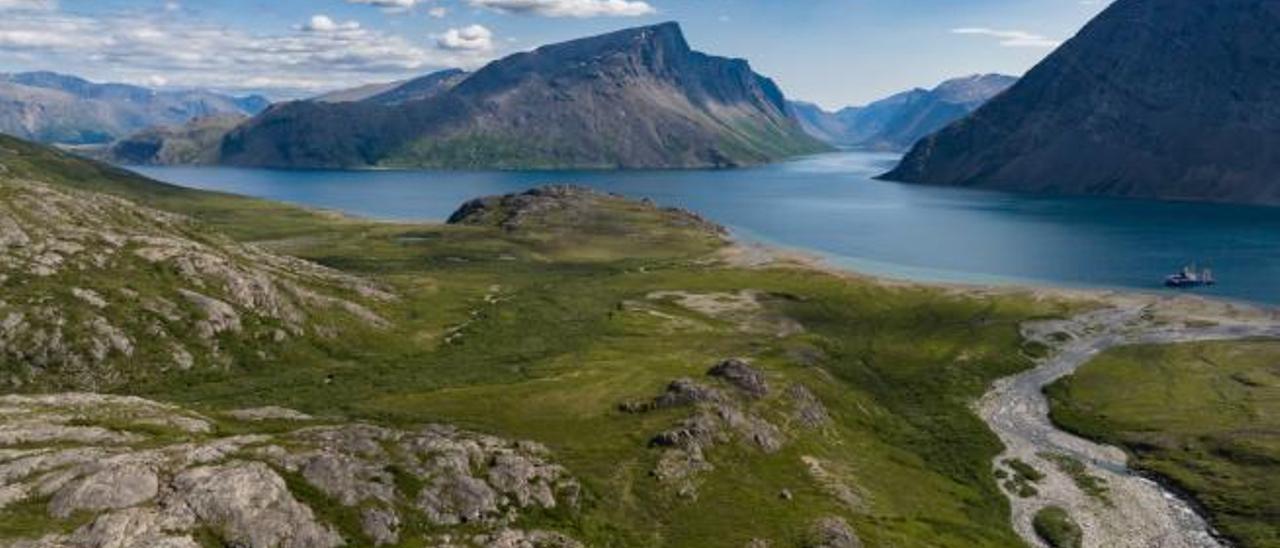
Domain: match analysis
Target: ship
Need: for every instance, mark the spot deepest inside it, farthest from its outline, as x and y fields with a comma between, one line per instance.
x=1190, y=276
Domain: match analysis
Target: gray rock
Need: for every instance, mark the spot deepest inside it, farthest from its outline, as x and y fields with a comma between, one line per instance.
x=741, y=375
x=454, y=500
x=529, y=482
x=249, y=505
x=834, y=532
x=381, y=525
x=269, y=413
x=807, y=410
x=348, y=479
x=111, y=488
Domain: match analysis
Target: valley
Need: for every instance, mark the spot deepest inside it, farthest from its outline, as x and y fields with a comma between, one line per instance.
x=514, y=274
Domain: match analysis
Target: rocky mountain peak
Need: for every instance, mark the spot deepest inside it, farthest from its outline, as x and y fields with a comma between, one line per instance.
x=1165, y=98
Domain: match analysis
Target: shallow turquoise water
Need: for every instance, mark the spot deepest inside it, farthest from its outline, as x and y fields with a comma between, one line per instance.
x=830, y=204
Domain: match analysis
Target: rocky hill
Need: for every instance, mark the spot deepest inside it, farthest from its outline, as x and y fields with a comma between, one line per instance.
x=638, y=98
x=897, y=122
x=56, y=108
x=1170, y=99
x=98, y=291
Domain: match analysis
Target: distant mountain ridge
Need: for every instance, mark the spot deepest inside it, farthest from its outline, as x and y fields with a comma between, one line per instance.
x=1170, y=99
x=57, y=108
x=637, y=98
x=898, y=121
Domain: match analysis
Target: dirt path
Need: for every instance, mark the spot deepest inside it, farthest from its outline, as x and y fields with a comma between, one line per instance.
x=1140, y=513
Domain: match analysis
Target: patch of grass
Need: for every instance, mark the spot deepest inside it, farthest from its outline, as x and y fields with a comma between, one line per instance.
x=1205, y=416
x=1088, y=484
x=30, y=519
x=1021, y=483
x=1057, y=529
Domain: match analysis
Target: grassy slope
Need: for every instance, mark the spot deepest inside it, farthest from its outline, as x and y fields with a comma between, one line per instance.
x=552, y=358
x=1208, y=417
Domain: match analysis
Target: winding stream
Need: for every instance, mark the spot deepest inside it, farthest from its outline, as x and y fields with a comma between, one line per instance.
x=1142, y=513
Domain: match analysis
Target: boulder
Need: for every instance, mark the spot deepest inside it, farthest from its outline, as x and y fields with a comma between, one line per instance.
x=742, y=376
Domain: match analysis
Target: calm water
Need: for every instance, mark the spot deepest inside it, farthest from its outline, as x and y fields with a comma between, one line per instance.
x=829, y=204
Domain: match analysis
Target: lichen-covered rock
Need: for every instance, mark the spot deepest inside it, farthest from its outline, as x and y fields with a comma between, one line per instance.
x=381, y=525
x=717, y=419
x=111, y=488
x=248, y=504
x=142, y=489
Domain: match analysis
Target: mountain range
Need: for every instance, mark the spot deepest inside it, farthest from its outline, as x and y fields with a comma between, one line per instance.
x=897, y=122
x=57, y=108
x=1169, y=99
x=636, y=98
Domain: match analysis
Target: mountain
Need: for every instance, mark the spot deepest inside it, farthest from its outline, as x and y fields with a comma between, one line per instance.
x=193, y=143
x=1169, y=99
x=419, y=89
x=637, y=98
x=356, y=94
x=898, y=121
x=56, y=108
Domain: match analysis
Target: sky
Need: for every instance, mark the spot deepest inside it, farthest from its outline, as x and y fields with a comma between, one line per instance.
x=832, y=52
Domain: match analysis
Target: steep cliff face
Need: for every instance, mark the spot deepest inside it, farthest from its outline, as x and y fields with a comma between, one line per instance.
x=1172, y=99
x=631, y=99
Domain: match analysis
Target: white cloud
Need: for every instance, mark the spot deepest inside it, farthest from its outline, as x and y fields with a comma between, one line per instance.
x=568, y=8
x=390, y=6
x=28, y=4
x=438, y=12
x=320, y=55
x=322, y=23
x=472, y=38
x=1011, y=38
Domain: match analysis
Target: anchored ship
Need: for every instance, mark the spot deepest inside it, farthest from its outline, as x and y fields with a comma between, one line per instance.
x=1190, y=276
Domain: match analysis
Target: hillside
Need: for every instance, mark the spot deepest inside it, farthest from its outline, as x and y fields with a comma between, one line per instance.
x=693, y=395
x=897, y=122
x=100, y=292
x=1205, y=420
x=56, y=108
x=1169, y=99
x=638, y=98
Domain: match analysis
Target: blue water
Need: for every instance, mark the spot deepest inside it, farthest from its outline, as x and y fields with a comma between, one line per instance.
x=829, y=204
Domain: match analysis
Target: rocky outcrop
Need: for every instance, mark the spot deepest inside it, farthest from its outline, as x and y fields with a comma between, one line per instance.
x=833, y=532
x=1170, y=99
x=566, y=205
x=160, y=476
x=741, y=375
x=718, y=418
x=97, y=289
x=636, y=98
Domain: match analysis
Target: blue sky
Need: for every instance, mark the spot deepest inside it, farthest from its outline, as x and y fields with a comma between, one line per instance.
x=834, y=52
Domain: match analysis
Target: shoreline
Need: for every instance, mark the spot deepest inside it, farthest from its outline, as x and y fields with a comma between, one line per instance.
x=1149, y=508
x=1192, y=307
